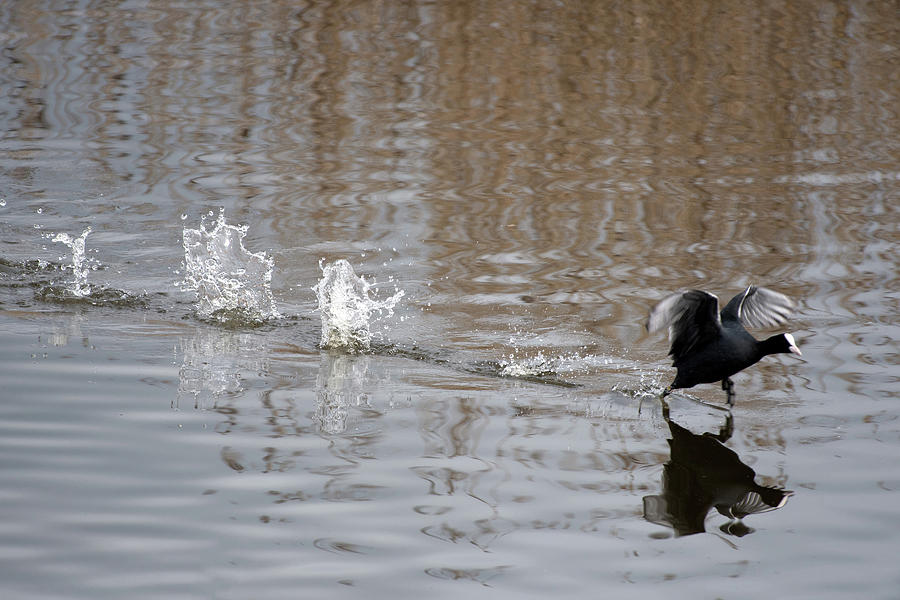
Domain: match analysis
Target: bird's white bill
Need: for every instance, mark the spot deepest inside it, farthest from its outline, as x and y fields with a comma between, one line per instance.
x=793, y=344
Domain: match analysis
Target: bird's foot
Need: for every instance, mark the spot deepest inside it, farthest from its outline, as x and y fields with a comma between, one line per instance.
x=665, y=408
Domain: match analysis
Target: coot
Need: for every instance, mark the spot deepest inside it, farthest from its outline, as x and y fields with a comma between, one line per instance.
x=709, y=346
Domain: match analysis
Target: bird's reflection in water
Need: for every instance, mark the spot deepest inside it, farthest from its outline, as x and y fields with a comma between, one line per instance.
x=702, y=474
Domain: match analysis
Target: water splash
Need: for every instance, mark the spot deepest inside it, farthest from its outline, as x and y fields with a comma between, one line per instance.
x=539, y=365
x=553, y=365
x=348, y=308
x=80, y=266
x=76, y=291
x=233, y=285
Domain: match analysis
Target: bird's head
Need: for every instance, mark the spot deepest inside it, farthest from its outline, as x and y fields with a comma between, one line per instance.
x=790, y=345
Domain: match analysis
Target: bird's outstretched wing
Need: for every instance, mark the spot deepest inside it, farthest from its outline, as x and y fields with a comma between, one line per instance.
x=759, y=307
x=692, y=317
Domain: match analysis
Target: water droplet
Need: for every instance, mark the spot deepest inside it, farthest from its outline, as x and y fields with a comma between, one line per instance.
x=40, y=211
x=183, y=216
x=2, y=202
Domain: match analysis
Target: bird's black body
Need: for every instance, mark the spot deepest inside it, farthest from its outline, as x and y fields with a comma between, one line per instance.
x=710, y=346
x=733, y=351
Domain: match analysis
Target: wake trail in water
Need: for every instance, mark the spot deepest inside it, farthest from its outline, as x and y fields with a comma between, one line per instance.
x=350, y=306
x=232, y=286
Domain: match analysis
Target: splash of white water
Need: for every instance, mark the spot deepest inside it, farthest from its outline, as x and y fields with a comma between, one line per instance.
x=348, y=308
x=534, y=366
x=231, y=283
x=549, y=365
x=80, y=265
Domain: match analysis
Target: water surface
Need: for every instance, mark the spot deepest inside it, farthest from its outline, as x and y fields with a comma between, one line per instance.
x=532, y=177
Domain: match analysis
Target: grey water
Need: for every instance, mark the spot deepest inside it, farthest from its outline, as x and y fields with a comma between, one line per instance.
x=411, y=359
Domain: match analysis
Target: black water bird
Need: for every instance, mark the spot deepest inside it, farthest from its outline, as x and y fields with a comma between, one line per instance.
x=710, y=346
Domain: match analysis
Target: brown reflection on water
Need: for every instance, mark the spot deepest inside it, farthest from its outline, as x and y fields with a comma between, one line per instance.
x=550, y=107
x=543, y=168
x=585, y=153
x=533, y=150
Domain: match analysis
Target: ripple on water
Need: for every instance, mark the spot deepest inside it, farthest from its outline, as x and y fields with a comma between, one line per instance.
x=341, y=547
x=479, y=575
